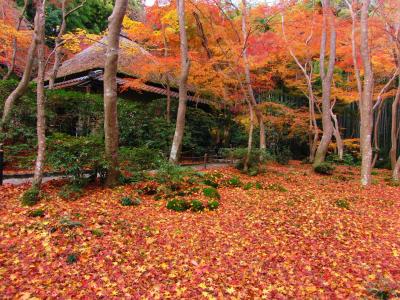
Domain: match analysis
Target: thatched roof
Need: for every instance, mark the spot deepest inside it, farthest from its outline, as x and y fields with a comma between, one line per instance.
x=93, y=58
x=87, y=66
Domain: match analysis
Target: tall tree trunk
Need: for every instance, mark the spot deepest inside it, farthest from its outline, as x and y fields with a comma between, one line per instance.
x=41, y=118
x=15, y=45
x=59, y=41
x=376, y=149
x=366, y=113
x=327, y=125
x=394, y=129
x=185, y=65
x=250, y=91
x=110, y=91
x=396, y=171
x=338, y=137
x=250, y=138
x=26, y=77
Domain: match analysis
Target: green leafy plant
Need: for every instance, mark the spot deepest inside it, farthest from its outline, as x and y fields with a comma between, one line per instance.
x=248, y=186
x=196, y=205
x=342, y=203
x=70, y=192
x=77, y=156
x=347, y=159
x=256, y=158
x=135, y=159
x=72, y=258
x=234, y=181
x=67, y=223
x=211, y=183
x=97, y=232
x=178, y=205
x=258, y=186
x=211, y=192
x=31, y=196
x=213, y=204
x=276, y=187
x=175, y=176
x=324, y=168
x=36, y=213
x=127, y=201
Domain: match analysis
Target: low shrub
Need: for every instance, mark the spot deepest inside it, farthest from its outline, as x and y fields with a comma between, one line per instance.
x=175, y=176
x=140, y=158
x=36, y=213
x=31, y=197
x=256, y=158
x=196, y=205
x=324, y=168
x=342, y=203
x=76, y=156
x=283, y=156
x=211, y=183
x=248, y=186
x=72, y=258
x=178, y=205
x=97, y=232
x=258, y=186
x=234, y=181
x=70, y=192
x=276, y=187
x=212, y=205
x=347, y=159
x=67, y=224
x=393, y=183
x=127, y=201
x=211, y=192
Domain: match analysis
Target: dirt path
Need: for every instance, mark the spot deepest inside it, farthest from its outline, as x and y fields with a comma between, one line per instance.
x=19, y=180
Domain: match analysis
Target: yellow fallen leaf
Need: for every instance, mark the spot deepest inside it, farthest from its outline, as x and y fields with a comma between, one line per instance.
x=395, y=253
x=202, y=285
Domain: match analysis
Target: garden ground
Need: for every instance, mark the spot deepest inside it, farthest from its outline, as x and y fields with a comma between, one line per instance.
x=298, y=235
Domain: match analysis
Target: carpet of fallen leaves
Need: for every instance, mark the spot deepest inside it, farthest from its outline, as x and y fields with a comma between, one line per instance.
x=260, y=244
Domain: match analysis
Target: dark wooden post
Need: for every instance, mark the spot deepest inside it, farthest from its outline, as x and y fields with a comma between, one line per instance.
x=1, y=163
x=205, y=161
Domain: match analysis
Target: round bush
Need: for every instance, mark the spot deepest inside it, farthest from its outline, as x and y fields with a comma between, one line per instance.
x=126, y=201
x=178, y=205
x=197, y=205
x=324, y=168
x=30, y=197
x=211, y=192
x=213, y=204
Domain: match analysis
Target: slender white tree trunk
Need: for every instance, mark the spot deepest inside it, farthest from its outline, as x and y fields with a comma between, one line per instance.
x=111, y=131
x=394, y=127
x=40, y=101
x=250, y=91
x=185, y=65
x=366, y=113
x=250, y=138
x=396, y=170
x=326, y=77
